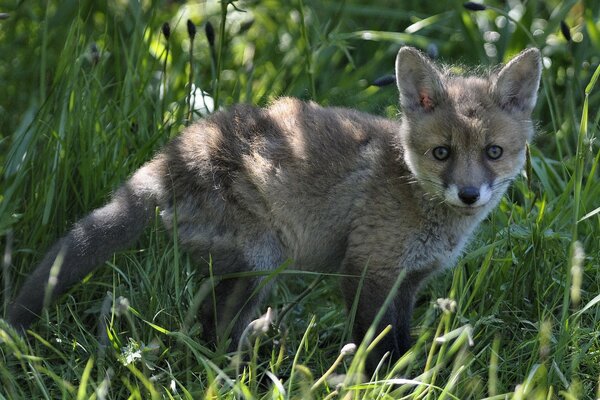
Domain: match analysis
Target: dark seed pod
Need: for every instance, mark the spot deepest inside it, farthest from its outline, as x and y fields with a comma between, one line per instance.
x=94, y=53
x=133, y=126
x=210, y=33
x=566, y=31
x=166, y=30
x=432, y=51
x=472, y=6
x=191, y=28
x=246, y=25
x=384, y=80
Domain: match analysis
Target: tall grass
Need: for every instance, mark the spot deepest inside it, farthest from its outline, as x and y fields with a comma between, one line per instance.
x=90, y=92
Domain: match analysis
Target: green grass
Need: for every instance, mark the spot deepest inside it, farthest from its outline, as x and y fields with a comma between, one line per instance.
x=74, y=123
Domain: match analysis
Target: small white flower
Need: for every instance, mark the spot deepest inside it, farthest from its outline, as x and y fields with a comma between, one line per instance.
x=121, y=306
x=447, y=306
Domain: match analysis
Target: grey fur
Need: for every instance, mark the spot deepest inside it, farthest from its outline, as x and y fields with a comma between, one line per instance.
x=334, y=190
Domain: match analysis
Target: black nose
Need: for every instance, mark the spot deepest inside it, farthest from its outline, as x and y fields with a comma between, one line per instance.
x=469, y=194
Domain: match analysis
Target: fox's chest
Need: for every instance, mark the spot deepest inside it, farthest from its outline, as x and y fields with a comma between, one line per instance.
x=435, y=246
x=426, y=244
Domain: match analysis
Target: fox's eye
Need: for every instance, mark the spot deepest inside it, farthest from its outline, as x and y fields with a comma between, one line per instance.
x=494, y=152
x=441, y=153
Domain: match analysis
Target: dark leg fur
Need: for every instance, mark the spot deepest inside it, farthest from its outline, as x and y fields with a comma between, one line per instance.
x=398, y=314
x=234, y=306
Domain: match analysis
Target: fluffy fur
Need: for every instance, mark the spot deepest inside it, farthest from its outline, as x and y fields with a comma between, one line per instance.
x=331, y=189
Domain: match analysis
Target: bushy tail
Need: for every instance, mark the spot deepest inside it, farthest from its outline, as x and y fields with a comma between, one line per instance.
x=91, y=241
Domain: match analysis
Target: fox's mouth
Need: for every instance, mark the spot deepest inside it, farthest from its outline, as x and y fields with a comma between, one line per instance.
x=467, y=209
x=464, y=199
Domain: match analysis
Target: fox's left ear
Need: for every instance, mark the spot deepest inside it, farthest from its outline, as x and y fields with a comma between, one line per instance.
x=419, y=82
x=516, y=85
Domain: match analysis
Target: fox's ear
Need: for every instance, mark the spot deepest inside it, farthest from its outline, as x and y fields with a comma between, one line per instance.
x=418, y=80
x=516, y=86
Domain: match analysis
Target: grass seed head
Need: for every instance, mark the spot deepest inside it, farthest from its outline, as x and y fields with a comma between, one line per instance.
x=348, y=349
x=472, y=6
x=566, y=31
x=210, y=33
x=577, y=272
x=191, y=28
x=166, y=30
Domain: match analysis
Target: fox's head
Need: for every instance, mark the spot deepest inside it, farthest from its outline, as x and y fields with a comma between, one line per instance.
x=464, y=137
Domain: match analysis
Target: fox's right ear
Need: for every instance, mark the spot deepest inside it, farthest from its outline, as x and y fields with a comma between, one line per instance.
x=418, y=80
x=517, y=84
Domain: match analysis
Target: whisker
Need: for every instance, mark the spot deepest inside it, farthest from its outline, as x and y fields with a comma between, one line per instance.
x=402, y=178
x=499, y=184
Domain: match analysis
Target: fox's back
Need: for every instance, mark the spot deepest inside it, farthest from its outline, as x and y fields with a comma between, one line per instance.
x=294, y=169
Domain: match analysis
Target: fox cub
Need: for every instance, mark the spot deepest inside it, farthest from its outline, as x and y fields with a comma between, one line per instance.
x=331, y=189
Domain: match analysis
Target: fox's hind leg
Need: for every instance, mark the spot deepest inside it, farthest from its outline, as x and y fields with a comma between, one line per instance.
x=229, y=309
x=226, y=312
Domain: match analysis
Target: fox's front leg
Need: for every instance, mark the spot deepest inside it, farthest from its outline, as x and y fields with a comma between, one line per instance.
x=372, y=293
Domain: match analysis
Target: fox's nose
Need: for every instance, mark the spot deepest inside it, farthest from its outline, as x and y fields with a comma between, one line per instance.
x=468, y=195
